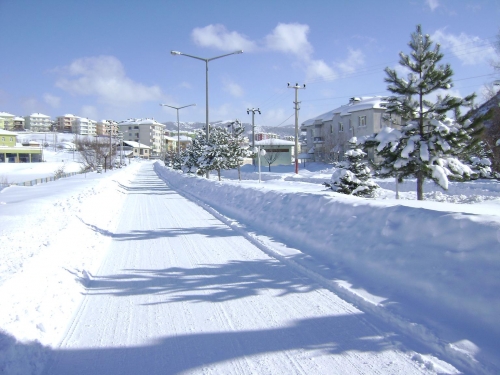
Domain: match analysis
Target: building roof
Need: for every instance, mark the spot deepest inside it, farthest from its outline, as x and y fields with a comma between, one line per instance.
x=37, y=114
x=141, y=121
x=136, y=144
x=5, y=114
x=354, y=105
x=274, y=142
x=6, y=132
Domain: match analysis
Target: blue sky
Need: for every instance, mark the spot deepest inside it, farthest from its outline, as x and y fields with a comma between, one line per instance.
x=106, y=59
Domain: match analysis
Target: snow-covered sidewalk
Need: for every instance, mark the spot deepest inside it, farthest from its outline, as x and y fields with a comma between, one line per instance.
x=179, y=291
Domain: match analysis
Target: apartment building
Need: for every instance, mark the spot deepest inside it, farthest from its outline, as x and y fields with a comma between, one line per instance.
x=6, y=121
x=64, y=124
x=327, y=135
x=18, y=124
x=38, y=122
x=104, y=127
x=146, y=131
x=84, y=126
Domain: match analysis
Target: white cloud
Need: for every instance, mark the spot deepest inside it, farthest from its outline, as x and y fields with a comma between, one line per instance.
x=185, y=85
x=354, y=60
x=52, y=100
x=433, y=4
x=90, y=112
x=319, y=69
x=219, y=37
x=290, y=38
x=470, y=50
x=234, y=89
x=104, y=77
x=31, y=105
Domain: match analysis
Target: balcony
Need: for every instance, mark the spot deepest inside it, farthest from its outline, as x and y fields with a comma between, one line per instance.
x=318, y=140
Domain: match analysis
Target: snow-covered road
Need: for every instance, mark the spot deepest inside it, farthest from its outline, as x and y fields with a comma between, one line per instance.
x=181, y=292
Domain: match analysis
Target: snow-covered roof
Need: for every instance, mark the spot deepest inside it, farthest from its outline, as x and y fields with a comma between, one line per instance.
x=17, y=118
x=66, y=115
x=274, y=142
x=136, y=144
x=6, y=132
x=145, y=121
x=5, y=114
x=354, y=105
x=37, y=114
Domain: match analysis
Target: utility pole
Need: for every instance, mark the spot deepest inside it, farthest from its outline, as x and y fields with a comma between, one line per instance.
x=253, y=110
x=296, y=102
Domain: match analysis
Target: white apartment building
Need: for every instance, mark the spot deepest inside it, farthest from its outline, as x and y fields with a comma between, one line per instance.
x=37, y=122
x=84, y=126
x=327, y=135
x=6, y=121
x=146, y=131
x=65, y=123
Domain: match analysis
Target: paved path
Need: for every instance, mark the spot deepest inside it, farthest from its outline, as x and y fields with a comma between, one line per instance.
x=180, y=292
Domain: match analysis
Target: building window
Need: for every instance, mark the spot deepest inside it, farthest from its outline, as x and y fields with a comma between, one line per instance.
x=341, y=127
x=350, y=124
x=362, y=121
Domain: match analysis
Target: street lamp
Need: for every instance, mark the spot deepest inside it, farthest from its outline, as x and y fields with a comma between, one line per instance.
x=176, y=53
x=178, y=128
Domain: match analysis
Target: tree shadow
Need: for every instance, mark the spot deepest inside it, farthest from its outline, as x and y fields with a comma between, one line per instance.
x=206, y=283
x=344, y=337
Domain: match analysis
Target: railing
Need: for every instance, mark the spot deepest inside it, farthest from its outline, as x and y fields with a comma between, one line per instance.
x=40, y=180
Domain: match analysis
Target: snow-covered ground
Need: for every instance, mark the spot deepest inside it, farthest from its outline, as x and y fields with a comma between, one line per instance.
x=424, y=273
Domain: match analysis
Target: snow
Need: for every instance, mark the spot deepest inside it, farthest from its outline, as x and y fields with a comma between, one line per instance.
x=261, y=298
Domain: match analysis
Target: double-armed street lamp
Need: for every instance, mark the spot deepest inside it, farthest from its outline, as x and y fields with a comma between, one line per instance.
x=178, y=129
x=176, y=53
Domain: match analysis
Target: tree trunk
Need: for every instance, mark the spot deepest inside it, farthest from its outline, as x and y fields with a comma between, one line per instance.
x=420, y=186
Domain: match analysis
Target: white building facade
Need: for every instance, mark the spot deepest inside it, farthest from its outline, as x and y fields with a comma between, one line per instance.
x=38, y=122
x=6, y=121
x=84, y=126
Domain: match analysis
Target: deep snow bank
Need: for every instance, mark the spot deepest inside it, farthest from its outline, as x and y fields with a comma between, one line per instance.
x=443, y=262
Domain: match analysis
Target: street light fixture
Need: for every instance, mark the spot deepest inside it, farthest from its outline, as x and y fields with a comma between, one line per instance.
x=177, y=53
x=178, y=128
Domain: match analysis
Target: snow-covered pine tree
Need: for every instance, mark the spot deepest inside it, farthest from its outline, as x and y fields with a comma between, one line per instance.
x=353, y=175
x=428, y=143
x=236, y=150
x=215, y=152
x=193, y=153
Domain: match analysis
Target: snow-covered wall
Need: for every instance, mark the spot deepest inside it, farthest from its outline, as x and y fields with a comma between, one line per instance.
x=444, y=261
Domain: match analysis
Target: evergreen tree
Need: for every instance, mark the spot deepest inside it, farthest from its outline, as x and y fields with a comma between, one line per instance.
x=429, y=144
x=236, y=150
x=215, y=153
x=353, y=175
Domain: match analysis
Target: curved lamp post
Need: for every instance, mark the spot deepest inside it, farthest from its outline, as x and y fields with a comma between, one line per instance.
x=176, y=53
x=178, y=130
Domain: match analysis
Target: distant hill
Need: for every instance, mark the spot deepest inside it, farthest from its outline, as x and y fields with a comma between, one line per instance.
x=281, y=131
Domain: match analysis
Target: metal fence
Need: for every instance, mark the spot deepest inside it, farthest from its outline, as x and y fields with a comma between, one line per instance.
x=40, y=180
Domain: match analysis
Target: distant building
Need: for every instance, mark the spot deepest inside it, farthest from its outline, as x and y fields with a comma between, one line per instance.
x=84, y=126
x=64, y=124
x=278, y=151
x=6, y=121
x=104, y=127
x=12, y=152
x=136, y=149
x=37, y=122
x=327, y=135
x=146, y=131
x=18, y=124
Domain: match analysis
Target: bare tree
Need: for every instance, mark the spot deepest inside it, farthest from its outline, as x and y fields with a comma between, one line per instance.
x=93, y=151
x=272, y=154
